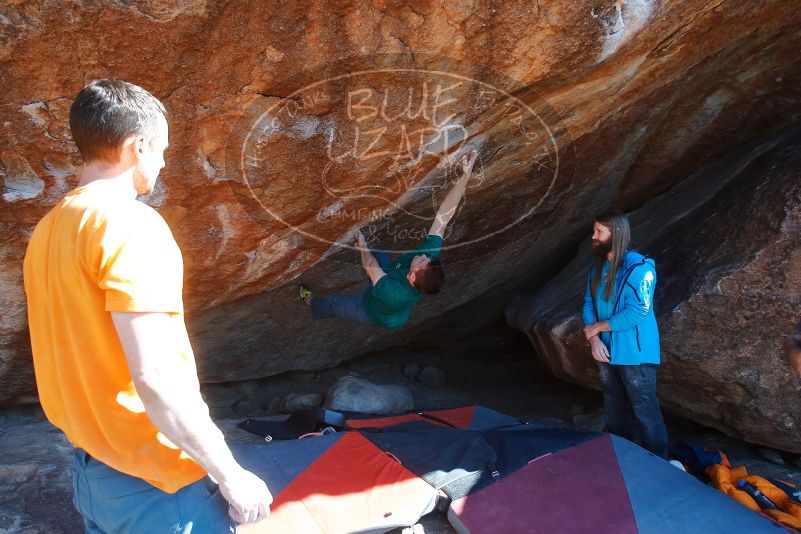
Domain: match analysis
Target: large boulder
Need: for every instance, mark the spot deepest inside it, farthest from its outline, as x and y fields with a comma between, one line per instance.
x=727, y=246
x=354, y=394
x=281, y=144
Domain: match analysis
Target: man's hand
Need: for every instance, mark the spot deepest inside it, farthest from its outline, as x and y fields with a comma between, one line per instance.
x=247, y=495
x=360, y=242
x=468, y=160
x=454, y=197
x=599, y=351
x=170, y=393
x=369, y=263
x=591, y=331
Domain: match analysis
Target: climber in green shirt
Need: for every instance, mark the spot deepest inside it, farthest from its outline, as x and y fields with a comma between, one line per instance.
x=395, y=286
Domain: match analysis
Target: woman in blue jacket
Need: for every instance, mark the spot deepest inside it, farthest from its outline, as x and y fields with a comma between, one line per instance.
x=622, y=332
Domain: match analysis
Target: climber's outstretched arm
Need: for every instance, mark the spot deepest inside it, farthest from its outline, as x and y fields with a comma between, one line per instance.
x=448, y=208
x=370, y=264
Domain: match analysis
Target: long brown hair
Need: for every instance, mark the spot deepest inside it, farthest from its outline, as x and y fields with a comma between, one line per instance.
x=618, y=224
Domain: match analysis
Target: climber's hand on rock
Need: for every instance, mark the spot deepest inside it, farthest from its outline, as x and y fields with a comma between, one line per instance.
x=468, y=160
x=360, y=242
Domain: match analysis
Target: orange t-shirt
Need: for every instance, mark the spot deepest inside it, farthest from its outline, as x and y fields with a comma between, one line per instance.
x=97, y=252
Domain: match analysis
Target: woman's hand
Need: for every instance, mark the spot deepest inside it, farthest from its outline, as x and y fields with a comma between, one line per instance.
x=592, y=330
x=599, y=351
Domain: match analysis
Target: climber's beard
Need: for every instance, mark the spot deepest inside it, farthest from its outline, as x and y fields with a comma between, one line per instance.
x=601, y=249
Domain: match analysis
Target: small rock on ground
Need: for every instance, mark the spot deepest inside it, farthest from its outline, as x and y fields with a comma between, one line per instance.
x=294, y=401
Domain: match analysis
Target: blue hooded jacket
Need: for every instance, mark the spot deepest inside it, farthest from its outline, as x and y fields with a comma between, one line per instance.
x=634, y=336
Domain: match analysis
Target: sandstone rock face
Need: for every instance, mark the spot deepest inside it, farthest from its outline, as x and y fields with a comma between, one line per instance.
x=294, y=124
x=727, y=245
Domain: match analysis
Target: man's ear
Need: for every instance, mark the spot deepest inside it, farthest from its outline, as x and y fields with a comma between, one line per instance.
x=140, y=144
x=134, y=146
x=411, y=277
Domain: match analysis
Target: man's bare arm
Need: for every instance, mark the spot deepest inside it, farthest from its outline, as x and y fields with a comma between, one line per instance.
x=448, y=208
x=370, y=264
x=171, y=396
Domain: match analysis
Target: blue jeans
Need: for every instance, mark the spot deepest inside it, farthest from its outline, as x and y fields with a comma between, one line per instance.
x=631, y=390
x=111, y=501
x=350, y=307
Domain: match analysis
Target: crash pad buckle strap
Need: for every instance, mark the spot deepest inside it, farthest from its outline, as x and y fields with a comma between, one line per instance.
x=297, y=424
x=493, y=471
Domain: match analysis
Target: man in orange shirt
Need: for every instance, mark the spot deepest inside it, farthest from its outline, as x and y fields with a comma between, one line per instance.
x=114, y=366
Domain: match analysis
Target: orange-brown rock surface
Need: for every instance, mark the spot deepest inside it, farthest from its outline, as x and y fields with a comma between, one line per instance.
x=294, y=123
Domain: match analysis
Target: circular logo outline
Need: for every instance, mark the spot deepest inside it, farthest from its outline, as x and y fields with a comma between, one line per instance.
x=551, y=141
